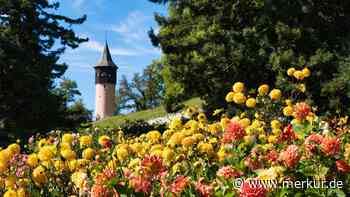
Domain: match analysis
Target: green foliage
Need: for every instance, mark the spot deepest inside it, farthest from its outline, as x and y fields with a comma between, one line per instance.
x=208, y=44
x=138, y=127
x=145, y=91
x=32, y=38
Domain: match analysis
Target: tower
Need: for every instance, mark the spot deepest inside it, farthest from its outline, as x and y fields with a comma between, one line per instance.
x=105, y=81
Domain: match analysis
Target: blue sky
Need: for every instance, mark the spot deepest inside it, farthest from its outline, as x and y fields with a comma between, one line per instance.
x=126, y=23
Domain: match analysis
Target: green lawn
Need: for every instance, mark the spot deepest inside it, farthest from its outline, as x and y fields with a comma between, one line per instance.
x=115, y=121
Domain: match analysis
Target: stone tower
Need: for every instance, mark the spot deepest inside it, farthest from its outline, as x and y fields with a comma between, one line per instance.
x=105, y=79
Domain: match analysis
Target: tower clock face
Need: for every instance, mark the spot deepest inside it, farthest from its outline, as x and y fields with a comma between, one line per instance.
x=107, y=75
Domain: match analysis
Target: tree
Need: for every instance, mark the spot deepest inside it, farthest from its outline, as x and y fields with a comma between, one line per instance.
x=144, y=91
x=210, y=44
x=32, y=38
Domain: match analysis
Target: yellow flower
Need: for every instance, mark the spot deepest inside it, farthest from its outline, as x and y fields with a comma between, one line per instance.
x=136, y=147
x=188, y=141
x=59, y=165
x=290, y=71
x=224, y=122
x=33, y=160
x=21, y=192
x=229, y=97
x=262, y=137
x=239, y=98
x=68, y=154
x=67, y=138
x=65, y=145
x=221, y=153
x=288, y=102
x=198, y=137
x=79, y=178
x=263, y=89
x=288, y=111
x=206, y=148
x=275, y=94
x=176, y=139
x=302, y=87
x=88, y=153
x=134, y=163
x=238, y=87
x=275, y=124
x=81, y=163
x=153, y=136
x=102, y=139
x=272, y=139
x=72, y=165
x=276, y=131
x=306, y=72
x=214, y=128
x=122, y=154
x=249, y=139
x=251, y=103
x=10, y=193
x=175, y=123
x=39, y=175
x=245, y=122
x=298, y=75
x=168, y=154
x=3, y=167
x=14, y=148
x=10, y=182
x=5, y=155
x=85, y=140
x=201, y=117
x=46, y=153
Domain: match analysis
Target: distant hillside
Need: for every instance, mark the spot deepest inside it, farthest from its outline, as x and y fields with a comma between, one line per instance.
x=116, y=121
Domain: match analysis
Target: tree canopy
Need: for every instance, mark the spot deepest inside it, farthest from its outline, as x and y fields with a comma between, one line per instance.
x=210, y=44
x=32, y=38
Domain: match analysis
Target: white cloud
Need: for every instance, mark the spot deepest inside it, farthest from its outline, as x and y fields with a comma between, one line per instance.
x=134, y=27
x=78, y=3
x=98, y=47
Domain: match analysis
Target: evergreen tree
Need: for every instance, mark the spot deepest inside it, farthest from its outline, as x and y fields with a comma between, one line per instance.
x=209, y=44
x=32, y=38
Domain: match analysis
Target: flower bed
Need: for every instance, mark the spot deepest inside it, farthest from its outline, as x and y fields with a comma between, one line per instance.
x=273, y=136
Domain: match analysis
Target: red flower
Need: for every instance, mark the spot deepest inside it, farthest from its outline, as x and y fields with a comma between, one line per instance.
x=287, y=134
x=153, y=166
x=228, y=172
x=301, y=110
x=250, y=190
x=233, y=132
x=330, y=146
x=203, y=189
x=311, y=142
x=290, y=156
x=180, y=183
x=141, y=184
x=342, y=166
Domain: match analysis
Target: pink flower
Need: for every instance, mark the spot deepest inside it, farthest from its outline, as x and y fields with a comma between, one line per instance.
x=103, y=191
x=330, y=146
x=342, y=166
x=228, y=172
x=180, y=183
x=256, y=190
x=290, y=156
x=203, y=189
x=233, y=132
x=272, y=156
x=141, y=184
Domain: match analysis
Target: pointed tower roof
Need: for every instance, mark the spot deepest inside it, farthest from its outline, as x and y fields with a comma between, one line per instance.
x=106, y=59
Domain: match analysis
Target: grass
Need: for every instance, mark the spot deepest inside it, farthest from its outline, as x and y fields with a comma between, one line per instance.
x=116, y=121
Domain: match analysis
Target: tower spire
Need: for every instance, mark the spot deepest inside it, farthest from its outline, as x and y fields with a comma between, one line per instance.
x=106, y=59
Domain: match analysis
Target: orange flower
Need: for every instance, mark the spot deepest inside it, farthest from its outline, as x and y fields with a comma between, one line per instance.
x=180, y=183
x=153, y=166
x=203, y=189
x=330, y=146
x=141, y=184
x=228, y=172
x=301, y=110
x=250, y=190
